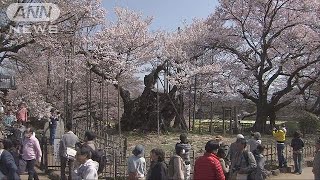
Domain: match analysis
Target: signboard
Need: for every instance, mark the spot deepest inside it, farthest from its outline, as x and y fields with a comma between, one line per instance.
x=56, y=145
x=7, y=82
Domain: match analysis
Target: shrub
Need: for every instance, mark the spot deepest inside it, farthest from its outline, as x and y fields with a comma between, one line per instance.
x=309, y=123
x=292, y=126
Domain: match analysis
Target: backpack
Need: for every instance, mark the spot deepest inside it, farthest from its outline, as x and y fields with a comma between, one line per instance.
x=251, y=175
x=99, y=156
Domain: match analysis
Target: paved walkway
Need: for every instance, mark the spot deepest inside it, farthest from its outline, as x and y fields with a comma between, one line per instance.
x=42, y=175
x=306, y=175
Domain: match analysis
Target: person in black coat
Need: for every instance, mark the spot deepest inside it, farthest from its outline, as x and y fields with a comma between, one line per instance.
x=12, y=147
x=159, y=169
x=8, y=166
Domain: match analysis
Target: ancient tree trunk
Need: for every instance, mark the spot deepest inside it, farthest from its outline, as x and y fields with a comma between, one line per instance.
x=261, y=116
x=272, y=117
x=179, y=121
x=141, y=113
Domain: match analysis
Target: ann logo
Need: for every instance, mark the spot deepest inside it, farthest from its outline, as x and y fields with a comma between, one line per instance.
x=33, y=12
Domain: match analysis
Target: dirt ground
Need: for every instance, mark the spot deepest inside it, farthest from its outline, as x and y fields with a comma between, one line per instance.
x=167, y=141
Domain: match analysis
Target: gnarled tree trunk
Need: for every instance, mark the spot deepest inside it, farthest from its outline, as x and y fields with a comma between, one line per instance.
x=142, y=113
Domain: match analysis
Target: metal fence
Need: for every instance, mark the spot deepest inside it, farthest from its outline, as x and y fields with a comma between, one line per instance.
x=116, y=167
x=271, y=154
x=114, y=147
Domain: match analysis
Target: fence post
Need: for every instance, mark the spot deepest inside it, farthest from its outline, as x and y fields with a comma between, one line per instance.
x=125, y=147
x=269, y=153
x=42, y=149
x=115, y=164
x=273, y=154
x=193, y=159
x=286, y=149
x=305, y=152
x=45, y=153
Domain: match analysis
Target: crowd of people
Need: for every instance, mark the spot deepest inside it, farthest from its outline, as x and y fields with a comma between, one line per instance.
x=20, y=149
x=17, y=158
x=15, y=114
x=218, y=162
x=243, y=159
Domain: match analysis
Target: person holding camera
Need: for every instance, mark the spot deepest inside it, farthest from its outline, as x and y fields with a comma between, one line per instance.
x=53, y=123
x=279, y=133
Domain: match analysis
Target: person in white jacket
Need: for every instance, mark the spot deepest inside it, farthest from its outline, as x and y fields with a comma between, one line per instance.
x=88, y=169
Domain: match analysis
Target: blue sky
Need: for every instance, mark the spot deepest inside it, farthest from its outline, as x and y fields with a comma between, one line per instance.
x=168, y=14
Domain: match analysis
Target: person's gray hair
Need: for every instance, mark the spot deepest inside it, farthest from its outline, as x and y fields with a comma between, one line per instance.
x=257, y=135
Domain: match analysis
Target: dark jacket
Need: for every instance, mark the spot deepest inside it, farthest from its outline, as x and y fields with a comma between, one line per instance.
x=297, y=144
x=261, y=173
x=53, y=122
x=7, y=166
x=187, y=148
x=16, y=156
x=159, y=172
x=231, y=151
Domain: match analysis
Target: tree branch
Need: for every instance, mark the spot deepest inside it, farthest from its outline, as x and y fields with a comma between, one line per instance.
x=16, y=48
x=279, y=94
x=247, y=96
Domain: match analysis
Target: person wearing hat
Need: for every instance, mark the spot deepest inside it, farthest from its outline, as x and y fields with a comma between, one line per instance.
x=137, y=164
x=185, y=145
x=233, y=149
x=243, y=162
x=316, y=161
x=208, y=166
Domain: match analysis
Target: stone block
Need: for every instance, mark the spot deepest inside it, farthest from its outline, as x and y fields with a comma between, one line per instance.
x=283, y=170
x=290, y=169
x=275, y=172
x=309, y=163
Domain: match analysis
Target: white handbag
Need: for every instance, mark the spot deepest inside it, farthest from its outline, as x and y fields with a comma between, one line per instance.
x=71, y=153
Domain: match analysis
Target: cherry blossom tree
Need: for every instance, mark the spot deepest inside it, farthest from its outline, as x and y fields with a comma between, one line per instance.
x=48, y=61
x=310, y=99
x=274, y=46
x=120, y=51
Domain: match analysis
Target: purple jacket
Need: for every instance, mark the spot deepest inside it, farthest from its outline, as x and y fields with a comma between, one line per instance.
x=31, y=149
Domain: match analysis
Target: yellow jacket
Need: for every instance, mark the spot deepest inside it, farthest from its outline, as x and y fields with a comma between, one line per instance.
x=280, y=135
